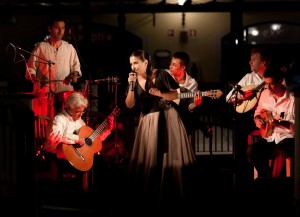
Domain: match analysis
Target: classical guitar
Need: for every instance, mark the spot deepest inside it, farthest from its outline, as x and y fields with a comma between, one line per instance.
x=82, y=157
x=266, y=129
x=250, y=102
x=214, y=94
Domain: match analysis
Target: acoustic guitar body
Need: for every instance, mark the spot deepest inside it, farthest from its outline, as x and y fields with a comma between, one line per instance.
x=249, y=104
x=81, y=157
x=266, y=130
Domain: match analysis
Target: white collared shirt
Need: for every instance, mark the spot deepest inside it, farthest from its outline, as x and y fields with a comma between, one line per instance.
x=66, y=128
x=284, y=105
x=251, y=78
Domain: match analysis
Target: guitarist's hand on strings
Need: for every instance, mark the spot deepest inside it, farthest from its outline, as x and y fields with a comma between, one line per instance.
x=197, y=101
x=57, y=138
x=110, y=122
x=248, y=94
x=265, y=118
x=259, y=122
x=81, y=141
x=198, y=98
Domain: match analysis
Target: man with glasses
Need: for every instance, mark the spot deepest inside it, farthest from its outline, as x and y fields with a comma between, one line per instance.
x=275, y=117
x=67, y=124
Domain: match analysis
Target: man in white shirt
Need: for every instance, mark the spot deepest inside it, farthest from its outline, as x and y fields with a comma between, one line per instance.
x=67, y=129
x=259, y=61
x=277, y=127
x=52, y=67
x=244, y=110
x=178, y=66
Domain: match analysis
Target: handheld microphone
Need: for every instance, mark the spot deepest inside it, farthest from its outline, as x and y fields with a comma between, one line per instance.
x=132, y=83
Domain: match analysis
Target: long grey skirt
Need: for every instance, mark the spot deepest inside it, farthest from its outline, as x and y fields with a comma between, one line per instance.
x=162, y=160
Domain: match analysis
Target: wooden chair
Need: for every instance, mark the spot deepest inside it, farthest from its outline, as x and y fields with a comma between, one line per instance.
x=45, y=167
x=255, y=136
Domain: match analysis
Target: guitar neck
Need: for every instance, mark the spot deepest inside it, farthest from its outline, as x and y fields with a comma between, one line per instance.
x=191, y=94
x=99, y=129
x=259, y=86
x=103, y=125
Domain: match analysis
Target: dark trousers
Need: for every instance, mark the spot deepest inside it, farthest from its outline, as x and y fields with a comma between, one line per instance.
x=243, y=124
x=260, y=152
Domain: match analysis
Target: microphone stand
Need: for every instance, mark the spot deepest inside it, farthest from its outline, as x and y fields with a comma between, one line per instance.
x=234, y=143
x=239, y=131
x=116, y=146
x=49, y=62
x=235, y=91
x=87, y=93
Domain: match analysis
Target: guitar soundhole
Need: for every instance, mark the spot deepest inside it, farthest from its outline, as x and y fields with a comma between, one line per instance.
x=88, y=141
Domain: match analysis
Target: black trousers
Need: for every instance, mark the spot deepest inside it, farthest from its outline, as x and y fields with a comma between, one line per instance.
x=260, y=152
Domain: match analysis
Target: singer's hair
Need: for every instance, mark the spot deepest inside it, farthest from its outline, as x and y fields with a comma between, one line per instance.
x=143, y=55
x=76, y=100
x=183, y=56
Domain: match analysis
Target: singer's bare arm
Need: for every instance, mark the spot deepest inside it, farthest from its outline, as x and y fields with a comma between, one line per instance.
x=166, y=95
x=130, y=99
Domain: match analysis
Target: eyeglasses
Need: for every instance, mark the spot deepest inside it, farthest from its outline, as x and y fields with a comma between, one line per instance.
x=77, y=112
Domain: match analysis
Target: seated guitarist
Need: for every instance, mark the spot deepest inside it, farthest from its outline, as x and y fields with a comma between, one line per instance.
x=259, y=61
x=243, y=121
x=68, y=122
x=178, y=66
x=277, y=128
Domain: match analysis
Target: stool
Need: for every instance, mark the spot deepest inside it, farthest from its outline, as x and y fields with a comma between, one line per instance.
x=252, y=137
x=255, y=136
x=288, y=168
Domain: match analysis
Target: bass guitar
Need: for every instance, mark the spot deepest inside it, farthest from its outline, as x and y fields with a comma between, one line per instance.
x=214, y=94
x=249, y=103
x=82, y=157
